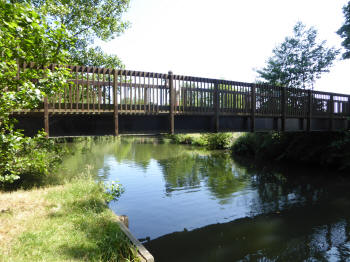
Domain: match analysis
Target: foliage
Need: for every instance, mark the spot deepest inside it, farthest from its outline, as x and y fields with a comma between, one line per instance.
x=96, y=57
x=87, y=21
x=209, y=140
x=25, y=158
x=344, y=31
x=25, y=36
x=112, y=191
x=188, y=139
x=299, y=60
x=219, y=140
x=318, y=148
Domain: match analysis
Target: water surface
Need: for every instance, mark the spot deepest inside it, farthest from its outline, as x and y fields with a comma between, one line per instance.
x=189, y=204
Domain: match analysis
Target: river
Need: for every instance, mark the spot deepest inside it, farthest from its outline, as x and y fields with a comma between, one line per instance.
x=189, y=204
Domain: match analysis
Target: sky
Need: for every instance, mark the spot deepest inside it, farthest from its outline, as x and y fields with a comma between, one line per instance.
x=224, y=39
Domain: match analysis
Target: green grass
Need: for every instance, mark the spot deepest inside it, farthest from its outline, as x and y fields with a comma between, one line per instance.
x=69, y=222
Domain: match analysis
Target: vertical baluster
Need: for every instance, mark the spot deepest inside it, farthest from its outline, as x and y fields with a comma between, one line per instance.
x=331, y=113
x=115, y=102
x=82, y=87
x=253, y=107
x=93, y=89
x=87, y=89
x=77, y=88
x=216, y=104
x=99, y=89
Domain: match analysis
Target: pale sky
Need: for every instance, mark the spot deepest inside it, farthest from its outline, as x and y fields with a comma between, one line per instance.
x=225, y=39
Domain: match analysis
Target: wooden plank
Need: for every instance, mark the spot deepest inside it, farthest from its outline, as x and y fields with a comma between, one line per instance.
x=283, y=107
x=158, y=94
x=82, y=88
x=253, y=108
x=104, y=93
x=46, y=117
x=99, y=92
x=115, y=103
x=87, y=88
x=145, y=94
x=309, y=113
x=77, y=87
x=93, y=90
x=153, y=97
x=216, y=107
x=132, y=81
x=331, y=113
x=171, y=102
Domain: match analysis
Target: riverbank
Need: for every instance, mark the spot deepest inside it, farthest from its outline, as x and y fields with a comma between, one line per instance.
x=320, y=149
x=61, y=223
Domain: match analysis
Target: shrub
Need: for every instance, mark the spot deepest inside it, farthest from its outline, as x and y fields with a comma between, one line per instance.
x=23, y=157
x=219, y=140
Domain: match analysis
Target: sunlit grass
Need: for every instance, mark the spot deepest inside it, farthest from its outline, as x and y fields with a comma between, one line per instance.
x=69, y=222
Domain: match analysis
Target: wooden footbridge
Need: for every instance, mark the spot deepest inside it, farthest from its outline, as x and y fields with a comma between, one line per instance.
x=100, y=101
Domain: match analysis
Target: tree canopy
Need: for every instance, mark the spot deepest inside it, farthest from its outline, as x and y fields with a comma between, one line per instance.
x=299, y=60
x=344, y=31
x=26, y=37
x=86, y=21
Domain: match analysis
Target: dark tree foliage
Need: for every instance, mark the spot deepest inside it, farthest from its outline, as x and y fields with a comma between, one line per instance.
x=299, y=60
x=344, y=31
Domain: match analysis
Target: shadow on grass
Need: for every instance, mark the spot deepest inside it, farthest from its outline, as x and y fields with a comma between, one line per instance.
x=29, y=181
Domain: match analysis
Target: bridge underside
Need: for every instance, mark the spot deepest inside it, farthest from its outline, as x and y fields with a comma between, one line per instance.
x=103, y=124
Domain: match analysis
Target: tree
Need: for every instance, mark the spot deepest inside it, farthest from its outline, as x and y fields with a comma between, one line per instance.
x=87, y=21
x=25, y=36
x=299, y=60
x=344, y=31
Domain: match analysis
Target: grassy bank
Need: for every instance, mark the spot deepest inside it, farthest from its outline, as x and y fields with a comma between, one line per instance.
x=209, y=140
x=61, y=223
x=325, y=149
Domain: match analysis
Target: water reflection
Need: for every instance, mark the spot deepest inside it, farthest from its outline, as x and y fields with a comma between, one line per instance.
x=212, y=208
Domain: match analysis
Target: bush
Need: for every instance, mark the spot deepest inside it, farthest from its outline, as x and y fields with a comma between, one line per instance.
x=23, y=157
x=219, y=140
x=210, y=140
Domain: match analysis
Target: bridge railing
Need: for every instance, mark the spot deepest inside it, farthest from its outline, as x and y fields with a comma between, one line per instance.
x=99, y=90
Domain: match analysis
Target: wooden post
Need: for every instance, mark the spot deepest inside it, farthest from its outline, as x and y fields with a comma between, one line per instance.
x=309, y=111
x=283, y=107
x=171, y=102
x=253, y=108
x=331, y=113
x=145, y=93
x=216, y=104
x=115, y=102
x=46, y=117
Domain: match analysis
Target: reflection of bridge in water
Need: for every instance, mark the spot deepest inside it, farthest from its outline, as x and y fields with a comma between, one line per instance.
x=101, y=101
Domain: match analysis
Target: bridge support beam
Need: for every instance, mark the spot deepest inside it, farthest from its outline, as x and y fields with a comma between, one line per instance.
x=171, y=103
